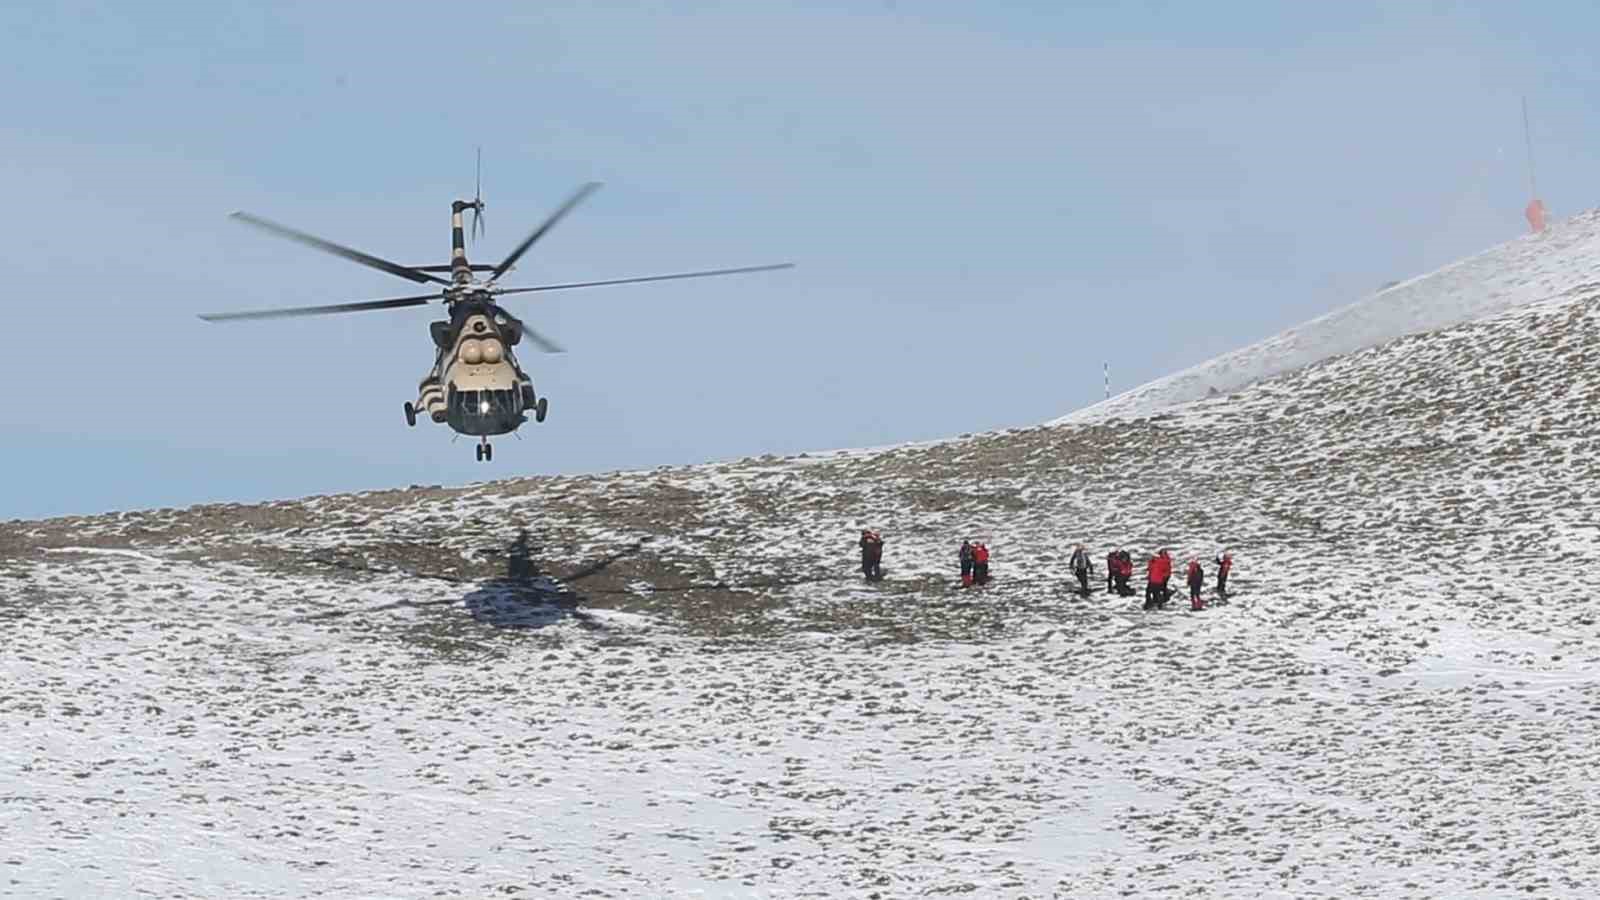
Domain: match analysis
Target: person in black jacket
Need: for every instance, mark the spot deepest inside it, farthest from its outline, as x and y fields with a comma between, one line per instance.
x=1196, y=577
x=871, y=555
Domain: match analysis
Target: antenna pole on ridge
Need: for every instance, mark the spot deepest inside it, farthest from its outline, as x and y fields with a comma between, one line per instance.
x=1535, y=212
x=1108, y=379
x=1527, y=137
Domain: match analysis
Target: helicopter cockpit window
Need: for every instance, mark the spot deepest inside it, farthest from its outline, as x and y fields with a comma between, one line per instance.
x=497, y=404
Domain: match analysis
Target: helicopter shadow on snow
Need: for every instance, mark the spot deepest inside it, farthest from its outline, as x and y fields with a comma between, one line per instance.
x=525, y=597
x=522, y=597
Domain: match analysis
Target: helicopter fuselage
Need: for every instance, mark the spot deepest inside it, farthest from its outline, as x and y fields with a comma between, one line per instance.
x=476, y=386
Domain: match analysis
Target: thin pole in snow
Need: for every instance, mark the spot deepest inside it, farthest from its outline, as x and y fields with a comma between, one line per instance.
x=1527, y=137
x=1108, y=380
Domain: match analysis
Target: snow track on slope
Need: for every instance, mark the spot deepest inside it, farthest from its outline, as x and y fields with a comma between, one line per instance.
x=1525, y=270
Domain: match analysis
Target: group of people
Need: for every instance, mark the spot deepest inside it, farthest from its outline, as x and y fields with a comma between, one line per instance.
x=974, y=563
x=974, y=558
x=1119, y=568
x=1158, y=575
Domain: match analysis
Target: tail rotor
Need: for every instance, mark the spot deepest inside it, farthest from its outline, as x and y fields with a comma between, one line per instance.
x=477, y=201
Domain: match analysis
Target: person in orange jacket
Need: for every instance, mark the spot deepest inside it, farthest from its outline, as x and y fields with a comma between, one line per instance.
x=1197, y=582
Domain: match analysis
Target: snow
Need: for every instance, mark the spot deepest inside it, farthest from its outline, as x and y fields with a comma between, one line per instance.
x=102, y=551
x=691, y=691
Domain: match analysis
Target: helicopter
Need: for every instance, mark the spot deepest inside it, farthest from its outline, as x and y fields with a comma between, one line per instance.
x=475, y=386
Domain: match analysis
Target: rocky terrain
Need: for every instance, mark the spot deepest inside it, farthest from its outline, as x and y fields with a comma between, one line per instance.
x=675, y=683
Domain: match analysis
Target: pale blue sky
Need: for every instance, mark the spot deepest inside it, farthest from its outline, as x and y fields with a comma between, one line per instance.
x=986, y=201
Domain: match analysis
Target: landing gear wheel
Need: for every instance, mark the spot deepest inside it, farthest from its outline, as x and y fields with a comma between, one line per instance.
x=479, y=448
x=541, y=409
x=488, y=453
x=411, y=414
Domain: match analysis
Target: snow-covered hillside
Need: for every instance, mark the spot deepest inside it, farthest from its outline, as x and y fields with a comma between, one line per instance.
x=671, y=683
x=1529, y=269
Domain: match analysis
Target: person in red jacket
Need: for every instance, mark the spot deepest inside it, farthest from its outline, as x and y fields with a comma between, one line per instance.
x=1159, y=570
x=1197, y=582
x=1119, y=568
x=1224, y=566
x=980, y=563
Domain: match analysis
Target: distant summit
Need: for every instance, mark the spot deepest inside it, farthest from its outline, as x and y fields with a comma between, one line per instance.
x=1534, y=267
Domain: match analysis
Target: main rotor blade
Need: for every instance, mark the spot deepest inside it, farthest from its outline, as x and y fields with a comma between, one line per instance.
x=584, y=284
x=549, y=223
x=310, y=240
x=291, y=311
x=542, y=342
